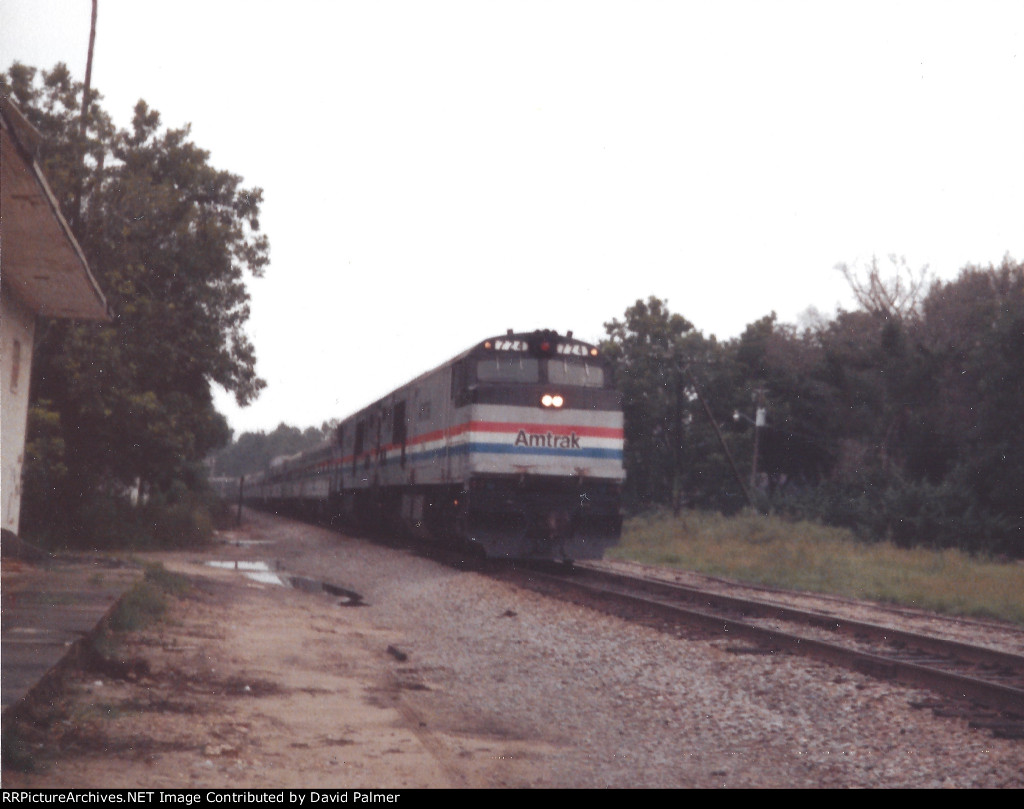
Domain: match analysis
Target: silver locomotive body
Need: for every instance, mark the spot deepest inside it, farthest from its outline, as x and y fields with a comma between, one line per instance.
x=514, y=447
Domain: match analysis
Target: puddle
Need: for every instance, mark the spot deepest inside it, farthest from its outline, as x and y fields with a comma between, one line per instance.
x=233, y=538
x=249, y=566
x=265, y=573
x=245, y=543
x=257, y=571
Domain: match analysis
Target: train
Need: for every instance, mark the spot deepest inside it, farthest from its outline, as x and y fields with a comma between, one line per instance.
x=513, y=449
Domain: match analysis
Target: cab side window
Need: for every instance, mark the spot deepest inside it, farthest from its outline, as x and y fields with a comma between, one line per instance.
x=360, y=442
x=460, y=383
x=398, y=427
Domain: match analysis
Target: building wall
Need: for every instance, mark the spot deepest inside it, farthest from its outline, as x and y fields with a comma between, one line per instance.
x=17, y=330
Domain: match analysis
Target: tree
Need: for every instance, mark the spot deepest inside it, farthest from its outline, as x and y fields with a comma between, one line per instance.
x=973, y=332
x=672, y=453
x=895, y=297
x=778, y=369
x=643, y=348
x=252, y=452
x=170, y=239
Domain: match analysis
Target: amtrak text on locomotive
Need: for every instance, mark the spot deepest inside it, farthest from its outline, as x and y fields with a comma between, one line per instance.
x=525, y=439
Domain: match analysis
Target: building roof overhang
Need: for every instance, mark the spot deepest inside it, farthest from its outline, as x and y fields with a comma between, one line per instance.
x=41, y=262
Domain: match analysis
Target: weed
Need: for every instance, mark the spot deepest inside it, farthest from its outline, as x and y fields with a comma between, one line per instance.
x=171, y=583
x=17, y=753
x=140, y=606
x=146, y=602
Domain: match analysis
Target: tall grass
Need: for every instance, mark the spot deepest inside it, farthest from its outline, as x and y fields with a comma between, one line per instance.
x=807, y=556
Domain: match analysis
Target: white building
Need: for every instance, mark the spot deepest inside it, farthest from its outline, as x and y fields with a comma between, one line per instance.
x=43, y=274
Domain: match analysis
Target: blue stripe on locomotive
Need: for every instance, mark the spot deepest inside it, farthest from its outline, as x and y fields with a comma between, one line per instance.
x=506, y=449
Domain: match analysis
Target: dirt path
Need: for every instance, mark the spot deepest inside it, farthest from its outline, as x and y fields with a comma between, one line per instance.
x=245, y=685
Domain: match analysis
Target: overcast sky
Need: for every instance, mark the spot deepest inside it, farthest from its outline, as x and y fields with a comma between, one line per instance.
x=437, y=172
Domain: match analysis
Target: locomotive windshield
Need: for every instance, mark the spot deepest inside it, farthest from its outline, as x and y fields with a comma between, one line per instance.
x=508, y=368
x=564, y=371
x=559, y=371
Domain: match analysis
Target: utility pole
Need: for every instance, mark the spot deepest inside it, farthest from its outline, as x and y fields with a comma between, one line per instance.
x=79, y=185
x=760, y=420
x=88, y=69
x=721, y=440
x=677, y=450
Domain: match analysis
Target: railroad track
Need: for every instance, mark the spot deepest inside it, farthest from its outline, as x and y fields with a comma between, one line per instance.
x=983, y=685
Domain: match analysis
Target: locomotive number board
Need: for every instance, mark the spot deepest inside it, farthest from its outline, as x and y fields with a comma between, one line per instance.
x=576, y=349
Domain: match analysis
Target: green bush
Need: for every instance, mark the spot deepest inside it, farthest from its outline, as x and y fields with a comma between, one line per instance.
x=107, y=520
x=908, y=513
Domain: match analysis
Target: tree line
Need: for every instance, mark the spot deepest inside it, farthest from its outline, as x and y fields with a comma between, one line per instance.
x=902, y=419
x=253, y=451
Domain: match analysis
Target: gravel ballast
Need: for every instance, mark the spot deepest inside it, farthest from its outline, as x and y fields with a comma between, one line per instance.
x=616, y=704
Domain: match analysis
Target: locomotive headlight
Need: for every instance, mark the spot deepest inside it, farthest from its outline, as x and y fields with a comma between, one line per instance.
x=549, y=400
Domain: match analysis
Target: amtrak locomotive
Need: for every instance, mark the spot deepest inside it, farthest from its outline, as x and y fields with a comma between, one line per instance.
x=513, y=447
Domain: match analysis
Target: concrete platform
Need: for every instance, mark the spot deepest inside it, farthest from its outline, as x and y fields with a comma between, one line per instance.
x=48, y=609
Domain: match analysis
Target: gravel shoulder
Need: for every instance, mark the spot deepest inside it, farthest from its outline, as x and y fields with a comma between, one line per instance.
x=449, y=678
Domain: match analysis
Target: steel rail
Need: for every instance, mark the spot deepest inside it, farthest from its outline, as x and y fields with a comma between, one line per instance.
x=980, y=655
x=1007, y=698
